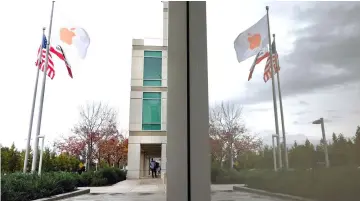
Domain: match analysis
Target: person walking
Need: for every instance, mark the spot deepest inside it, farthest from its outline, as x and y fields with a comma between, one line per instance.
x=153, y=168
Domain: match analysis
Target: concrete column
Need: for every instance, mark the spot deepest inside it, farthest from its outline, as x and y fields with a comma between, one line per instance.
x=165, y=22
x=163, y=160
x=142, y=164
x=188, y=160
x=147, y=166
x=134, y=162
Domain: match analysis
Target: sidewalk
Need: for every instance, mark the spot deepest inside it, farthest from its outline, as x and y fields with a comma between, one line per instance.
x=146, y=186
x=152, y=189
x=129, y=186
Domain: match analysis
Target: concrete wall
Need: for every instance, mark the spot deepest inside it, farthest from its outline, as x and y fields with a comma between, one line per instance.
x=148, y=139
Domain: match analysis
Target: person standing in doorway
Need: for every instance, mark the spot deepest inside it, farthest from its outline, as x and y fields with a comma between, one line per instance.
x=153, y=168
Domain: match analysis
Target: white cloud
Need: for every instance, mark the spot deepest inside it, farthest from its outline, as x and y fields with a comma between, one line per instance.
x=105, y=74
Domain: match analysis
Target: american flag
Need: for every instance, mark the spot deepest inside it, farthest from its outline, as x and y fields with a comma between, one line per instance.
x=59, y=52
x=40, y=63
x=275, y=62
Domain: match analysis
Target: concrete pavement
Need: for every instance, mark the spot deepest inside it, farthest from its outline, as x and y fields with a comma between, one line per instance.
x=150, y=189
x=130, y=186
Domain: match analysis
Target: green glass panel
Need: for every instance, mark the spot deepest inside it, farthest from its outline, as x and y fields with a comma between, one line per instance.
x=153, y=54
x=152, y=127
x=152, y=68
x=152, y=95
x=151, y=111
x=156, y=83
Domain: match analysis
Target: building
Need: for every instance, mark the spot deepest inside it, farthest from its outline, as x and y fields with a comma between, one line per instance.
x=186, y=138
x=148, y=104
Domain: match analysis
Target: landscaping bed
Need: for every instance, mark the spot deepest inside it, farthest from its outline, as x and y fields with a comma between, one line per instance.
x=24, y=187
x=323, y=184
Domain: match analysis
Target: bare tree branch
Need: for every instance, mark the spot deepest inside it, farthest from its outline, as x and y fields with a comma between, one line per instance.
x=97, y=122
x=228, y=131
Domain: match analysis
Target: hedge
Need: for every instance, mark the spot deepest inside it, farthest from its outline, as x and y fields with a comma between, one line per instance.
x=24, y=187
x=325, y=184
x=230, y=176
x=322, y=184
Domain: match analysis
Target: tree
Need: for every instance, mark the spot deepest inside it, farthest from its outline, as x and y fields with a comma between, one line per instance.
x=357, y=145
x=65, y=162
x=113, y=150
x=229, y=134
x=48, y=160
x=14, y=159
x=4, y=159
x=97, y=122
x=72, y=145
x=302, y=156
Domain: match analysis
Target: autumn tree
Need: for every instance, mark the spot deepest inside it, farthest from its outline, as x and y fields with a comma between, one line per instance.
x=72, y=145
x=228, y=132
x=114, y=150
x=97, y=123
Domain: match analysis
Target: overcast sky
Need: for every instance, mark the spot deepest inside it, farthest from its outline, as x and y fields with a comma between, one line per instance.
x=318, y=46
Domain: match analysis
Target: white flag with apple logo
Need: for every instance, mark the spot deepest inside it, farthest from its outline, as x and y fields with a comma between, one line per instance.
x=252, y=40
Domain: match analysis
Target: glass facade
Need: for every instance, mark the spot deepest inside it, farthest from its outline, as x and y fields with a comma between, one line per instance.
x=151, y=111
x=152, y=68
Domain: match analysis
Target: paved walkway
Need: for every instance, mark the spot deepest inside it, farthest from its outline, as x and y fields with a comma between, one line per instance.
x=130, y=186
x=153, y=189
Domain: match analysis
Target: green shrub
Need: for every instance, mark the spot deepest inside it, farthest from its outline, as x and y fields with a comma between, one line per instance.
x=113, y=175
x=85, y=179
x=99, y=181
x=121, y=174
x=215, y=172
x=229, y=176
x=66, y=181
x=109, y=174
x=325, y=184
x=23, y=187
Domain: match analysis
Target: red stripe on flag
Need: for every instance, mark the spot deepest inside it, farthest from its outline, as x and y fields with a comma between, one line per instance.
x=50, y=69
x=262, y=57
x=267, y=70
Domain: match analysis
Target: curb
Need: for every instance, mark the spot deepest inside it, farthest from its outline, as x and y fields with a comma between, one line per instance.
x=267, y=193
x=65, y=195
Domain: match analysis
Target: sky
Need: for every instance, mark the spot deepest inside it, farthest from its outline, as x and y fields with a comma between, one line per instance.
x=316, y=41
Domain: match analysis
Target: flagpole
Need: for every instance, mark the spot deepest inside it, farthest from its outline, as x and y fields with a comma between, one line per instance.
x=273, y=91
x=282, y=116
x=36, y=139
x=33, y=107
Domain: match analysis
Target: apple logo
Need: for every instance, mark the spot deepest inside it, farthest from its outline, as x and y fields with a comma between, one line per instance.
x=254, y=40
x=67, y=35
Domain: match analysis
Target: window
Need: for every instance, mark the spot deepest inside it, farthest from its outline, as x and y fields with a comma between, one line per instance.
x=152, y=68
x=151, y=111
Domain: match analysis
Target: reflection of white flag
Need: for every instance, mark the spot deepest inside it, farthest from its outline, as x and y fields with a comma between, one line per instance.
x=252, y=40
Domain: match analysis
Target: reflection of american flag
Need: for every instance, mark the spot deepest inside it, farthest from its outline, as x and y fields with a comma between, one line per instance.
x=275, y=62
x=42, y=57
